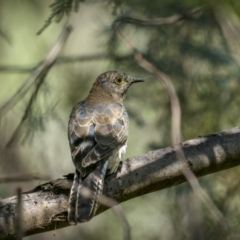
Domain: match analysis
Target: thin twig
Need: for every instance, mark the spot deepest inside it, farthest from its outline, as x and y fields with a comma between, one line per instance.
x=90, y=57
x=200, y=193
x=113, y=204
x=5, y=36
x=64, y=60
x=176, y=131
x=37, y=77
x=39, y=72
x=159, y=21
x=13, y=69
x=108, y=202
x=23, y=178
x=229, y=24
x=175, y=105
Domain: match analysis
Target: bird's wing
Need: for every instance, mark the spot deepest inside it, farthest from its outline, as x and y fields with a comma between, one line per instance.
x=80, y=134
x=95, y=133
x=110, y=132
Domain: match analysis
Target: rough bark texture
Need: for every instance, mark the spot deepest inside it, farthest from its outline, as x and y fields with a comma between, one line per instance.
x=44, y=208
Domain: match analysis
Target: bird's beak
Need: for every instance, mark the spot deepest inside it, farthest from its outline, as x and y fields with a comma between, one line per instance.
x=136, y=80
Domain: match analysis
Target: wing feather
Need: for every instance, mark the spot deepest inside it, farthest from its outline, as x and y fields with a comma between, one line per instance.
x=95, y=133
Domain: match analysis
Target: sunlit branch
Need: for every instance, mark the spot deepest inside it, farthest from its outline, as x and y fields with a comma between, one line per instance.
x=153, y=171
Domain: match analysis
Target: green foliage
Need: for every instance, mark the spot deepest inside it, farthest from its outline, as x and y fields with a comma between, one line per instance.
x=197, y=57
x=59, y=9
x=193, y=53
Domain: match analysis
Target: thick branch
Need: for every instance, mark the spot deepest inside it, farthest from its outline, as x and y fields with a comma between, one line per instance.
x=44, y=208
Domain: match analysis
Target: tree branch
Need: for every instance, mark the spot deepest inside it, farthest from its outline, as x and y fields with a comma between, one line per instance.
x=23, y=178
x=44, y=208
x=39, y=71
x=66, y=60
x=160, y=21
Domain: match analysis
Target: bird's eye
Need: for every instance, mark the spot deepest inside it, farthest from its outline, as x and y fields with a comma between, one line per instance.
x=119, y=80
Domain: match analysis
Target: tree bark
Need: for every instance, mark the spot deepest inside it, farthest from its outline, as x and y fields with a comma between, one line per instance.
x=45, y=207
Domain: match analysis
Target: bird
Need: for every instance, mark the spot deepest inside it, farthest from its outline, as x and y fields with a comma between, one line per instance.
x=97, y=134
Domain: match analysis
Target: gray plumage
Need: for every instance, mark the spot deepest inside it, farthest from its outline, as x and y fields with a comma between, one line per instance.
x=97, y=133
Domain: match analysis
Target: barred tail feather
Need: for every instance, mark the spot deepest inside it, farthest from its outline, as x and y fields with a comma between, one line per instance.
x=89, y=193
x=73, y=199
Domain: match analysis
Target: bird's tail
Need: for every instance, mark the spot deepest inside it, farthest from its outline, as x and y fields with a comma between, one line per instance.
x=90, y=191
x=84, y=202
x=73, y=199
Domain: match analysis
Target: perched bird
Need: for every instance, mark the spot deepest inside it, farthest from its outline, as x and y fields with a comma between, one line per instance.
x=97, y=133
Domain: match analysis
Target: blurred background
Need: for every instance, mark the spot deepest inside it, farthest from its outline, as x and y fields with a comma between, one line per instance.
x=201, y=54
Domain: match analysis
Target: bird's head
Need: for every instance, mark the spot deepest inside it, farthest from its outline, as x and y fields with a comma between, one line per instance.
x=115, y=84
